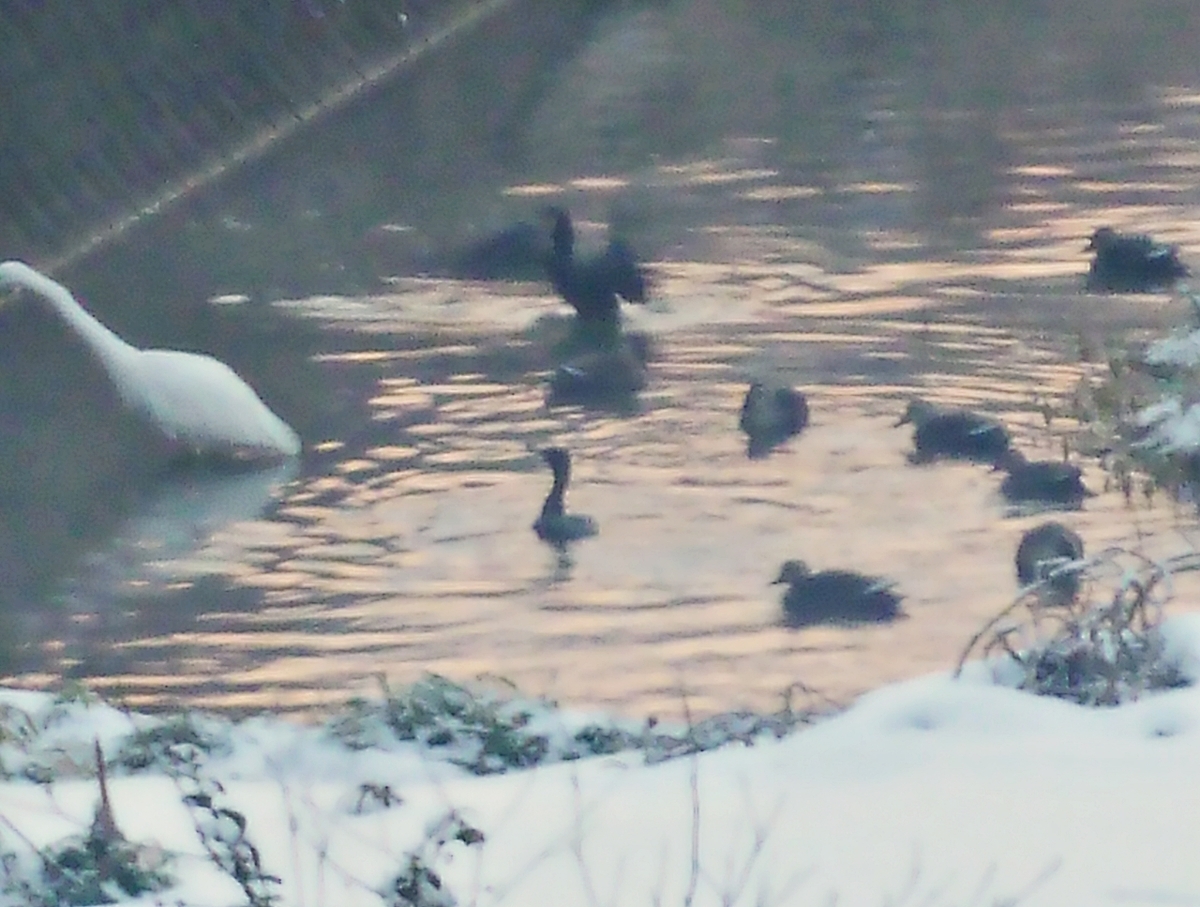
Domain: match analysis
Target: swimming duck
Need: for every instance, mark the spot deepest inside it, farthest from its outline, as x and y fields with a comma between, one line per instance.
x=1042, y=552
x=1132, y=262
x=953, y=433
x=835, y=596
x=553, y=524
x=607, y=377
x=592, y=285
x=1051, y=481
x=770, y=416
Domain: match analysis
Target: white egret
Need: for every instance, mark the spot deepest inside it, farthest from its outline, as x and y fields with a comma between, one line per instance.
x=196, y=401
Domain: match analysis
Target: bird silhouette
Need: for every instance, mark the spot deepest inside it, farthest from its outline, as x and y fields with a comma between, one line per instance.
x=771, y=415
x=198, y=403
x=1048, y=481
x=1131, y=262
x=593, y=285
x=835, y=596
x=554, y=524
x=1042, y=555
x=953, y=434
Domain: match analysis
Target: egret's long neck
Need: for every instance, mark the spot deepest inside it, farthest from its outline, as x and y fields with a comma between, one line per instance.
x=112, y=351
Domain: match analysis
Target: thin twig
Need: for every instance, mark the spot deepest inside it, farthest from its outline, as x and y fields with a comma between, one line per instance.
x=694, y=783
x=585, y=873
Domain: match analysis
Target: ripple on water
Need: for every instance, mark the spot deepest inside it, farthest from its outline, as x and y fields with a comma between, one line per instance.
x=407, y=547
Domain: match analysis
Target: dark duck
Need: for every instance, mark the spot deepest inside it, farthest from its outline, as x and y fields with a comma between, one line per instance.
x=1045, y=481
x=954, y=434
x=593, y=285
x=1043, y=556
x=835, y=596
x=771, y=415
x=604, y=378
x=554, y=524
x=1132, y=262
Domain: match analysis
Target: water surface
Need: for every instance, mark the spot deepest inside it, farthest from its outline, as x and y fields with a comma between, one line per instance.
x=402, y=544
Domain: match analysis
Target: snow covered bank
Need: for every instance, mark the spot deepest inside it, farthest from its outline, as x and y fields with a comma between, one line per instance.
x=936, y=791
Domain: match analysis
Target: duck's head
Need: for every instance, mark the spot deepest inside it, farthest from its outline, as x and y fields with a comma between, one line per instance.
x=791, y=571
x=754, y=406
x=1101, y=239
x=1009, y=460
x=916, y=412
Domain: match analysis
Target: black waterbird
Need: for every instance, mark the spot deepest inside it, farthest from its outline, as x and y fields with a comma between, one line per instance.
x=1048, y=481
x=610, y=377
x=953, y=433
x=835, y=596
x=1043, y=556
x=554, y=524
x=592, y=285
x=771, y=415
x=1132, y=262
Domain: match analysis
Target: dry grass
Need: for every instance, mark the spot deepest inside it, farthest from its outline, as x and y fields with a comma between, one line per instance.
x=1103, y=648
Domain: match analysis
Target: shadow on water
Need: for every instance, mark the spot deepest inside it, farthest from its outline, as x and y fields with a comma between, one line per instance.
x=877, y=204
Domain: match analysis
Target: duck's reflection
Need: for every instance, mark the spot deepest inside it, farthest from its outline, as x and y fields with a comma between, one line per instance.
x=564, y=564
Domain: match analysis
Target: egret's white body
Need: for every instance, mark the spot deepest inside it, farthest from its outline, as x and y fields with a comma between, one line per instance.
x=196, y=401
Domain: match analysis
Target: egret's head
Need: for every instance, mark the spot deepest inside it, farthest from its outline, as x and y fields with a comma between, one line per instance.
x=16, y=276
x=13, y=276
